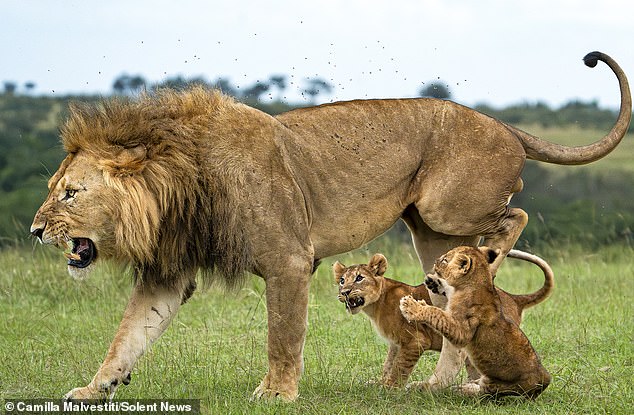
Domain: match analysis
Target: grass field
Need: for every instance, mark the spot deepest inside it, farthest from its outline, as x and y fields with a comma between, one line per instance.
x=54, y=333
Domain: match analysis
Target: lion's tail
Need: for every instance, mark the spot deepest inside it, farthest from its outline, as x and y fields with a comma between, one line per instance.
x=529, y=300
x=541, y=150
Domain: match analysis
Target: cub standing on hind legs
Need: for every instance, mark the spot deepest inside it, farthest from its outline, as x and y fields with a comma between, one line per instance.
x=474, y=320
x=364, y=288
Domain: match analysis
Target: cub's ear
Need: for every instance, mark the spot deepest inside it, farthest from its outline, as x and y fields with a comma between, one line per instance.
x=489, y=253
x=378, y=264
x=338, y=268
x=464, y=263
x=127, y=161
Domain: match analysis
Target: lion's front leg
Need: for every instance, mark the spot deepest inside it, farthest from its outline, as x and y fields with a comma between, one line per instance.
x=147, y=315
x=287, y=309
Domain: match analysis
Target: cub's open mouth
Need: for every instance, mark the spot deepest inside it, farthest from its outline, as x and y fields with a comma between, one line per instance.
x=352, y=303
x=82, y=253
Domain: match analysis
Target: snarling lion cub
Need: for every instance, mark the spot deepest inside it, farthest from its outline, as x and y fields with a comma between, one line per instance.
x=475, y=320
x=364, y=288
x=184, y=183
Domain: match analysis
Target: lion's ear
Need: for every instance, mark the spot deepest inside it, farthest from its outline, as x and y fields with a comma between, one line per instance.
x=338, y=269
x=378, y=263
x=464, y=263
x=489, y=253
x=127, y=161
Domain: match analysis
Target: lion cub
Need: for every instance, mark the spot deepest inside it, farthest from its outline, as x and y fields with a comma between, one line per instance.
x=364, y=288
x=475, y=320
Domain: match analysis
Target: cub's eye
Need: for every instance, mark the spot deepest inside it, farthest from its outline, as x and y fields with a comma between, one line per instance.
x=70, y=193
x=341, y=281
x=443, y=261
x=359, y=278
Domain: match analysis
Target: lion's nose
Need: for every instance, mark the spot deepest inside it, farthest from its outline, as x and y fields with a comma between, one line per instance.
x=37, y=232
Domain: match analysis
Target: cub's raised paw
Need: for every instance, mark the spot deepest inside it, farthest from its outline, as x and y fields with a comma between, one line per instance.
x=410, y=307
x=434, y=285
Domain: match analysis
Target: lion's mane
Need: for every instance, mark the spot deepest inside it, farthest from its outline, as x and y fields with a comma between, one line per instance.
x=173, y=212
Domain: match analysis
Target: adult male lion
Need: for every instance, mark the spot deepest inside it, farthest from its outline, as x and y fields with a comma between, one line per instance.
x=178, y=182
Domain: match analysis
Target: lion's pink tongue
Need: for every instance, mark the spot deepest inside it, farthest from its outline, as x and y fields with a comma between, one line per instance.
x=83, y=245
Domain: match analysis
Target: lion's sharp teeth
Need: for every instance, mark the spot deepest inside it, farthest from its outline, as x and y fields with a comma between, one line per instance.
x=71, y=255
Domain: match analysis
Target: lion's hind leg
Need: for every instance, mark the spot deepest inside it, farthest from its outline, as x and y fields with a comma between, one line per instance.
x=509, y=230
x=497, y=388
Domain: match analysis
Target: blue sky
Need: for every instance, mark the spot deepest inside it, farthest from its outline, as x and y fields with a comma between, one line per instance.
x=494, y=51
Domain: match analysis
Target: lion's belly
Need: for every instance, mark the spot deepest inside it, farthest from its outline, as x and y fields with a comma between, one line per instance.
x=337, y=232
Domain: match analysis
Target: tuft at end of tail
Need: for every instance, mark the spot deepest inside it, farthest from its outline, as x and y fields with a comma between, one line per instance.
x=592, y=58
x=538, y=149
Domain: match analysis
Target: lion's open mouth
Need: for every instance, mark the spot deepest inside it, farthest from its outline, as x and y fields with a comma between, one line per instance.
x=82, y=253
x=352, y=303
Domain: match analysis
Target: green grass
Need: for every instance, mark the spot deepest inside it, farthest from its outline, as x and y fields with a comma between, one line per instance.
x=54, y=333
x=619, y=160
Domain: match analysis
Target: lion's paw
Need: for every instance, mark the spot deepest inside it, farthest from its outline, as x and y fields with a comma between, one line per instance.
x=88, y=393
x=269, y=394
x=420, y=386
x=374, y=382
x=411, y=307
x=104, y=390
x=468, y=389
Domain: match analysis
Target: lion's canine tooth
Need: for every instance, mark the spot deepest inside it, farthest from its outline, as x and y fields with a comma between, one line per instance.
x=72, y=256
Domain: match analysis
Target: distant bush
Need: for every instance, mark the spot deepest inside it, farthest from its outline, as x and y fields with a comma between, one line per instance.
x=579, y=113
x=29, y=152
x=586, y=207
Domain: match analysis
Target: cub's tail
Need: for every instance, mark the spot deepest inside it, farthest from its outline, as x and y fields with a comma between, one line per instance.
x=529, y=300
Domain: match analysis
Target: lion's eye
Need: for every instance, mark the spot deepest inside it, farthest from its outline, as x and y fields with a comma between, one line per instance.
x=70, y=193
x=359, y=278
x=443, y=261
x=341, y=281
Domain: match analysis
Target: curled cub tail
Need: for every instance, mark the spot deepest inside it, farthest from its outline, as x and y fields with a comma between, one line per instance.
x=529, y=300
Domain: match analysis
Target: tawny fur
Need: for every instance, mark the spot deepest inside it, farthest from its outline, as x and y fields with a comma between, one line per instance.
x=173, y=212
x=408, y=340
x=475, y=320
x=180, y=181
x=381, y=296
